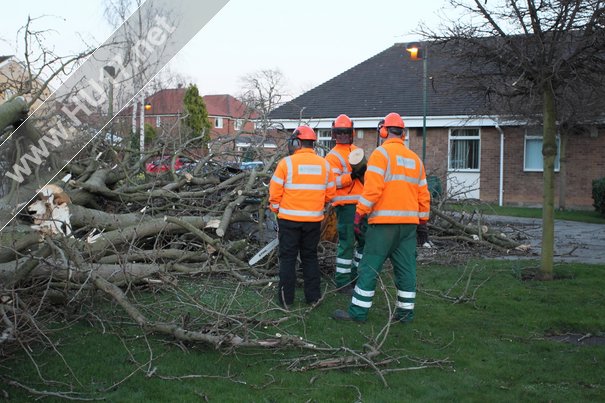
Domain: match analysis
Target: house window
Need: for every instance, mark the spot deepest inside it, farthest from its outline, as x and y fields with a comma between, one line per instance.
x=218, y=123
x=158, y=121
x=464, y=149
x=533, y=159
x=238, y=124
x=359, y=133
x=324, y=142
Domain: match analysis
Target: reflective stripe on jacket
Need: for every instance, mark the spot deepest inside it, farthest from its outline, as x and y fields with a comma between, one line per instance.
x=395, y=189
x=347, y=190
x=301, y=186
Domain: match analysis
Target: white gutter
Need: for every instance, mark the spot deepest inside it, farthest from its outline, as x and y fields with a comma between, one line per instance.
x=410, y=121
x=501, y=179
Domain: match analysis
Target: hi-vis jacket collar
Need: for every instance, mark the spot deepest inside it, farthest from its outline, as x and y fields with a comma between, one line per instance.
x=394, y=140
x=304, y=150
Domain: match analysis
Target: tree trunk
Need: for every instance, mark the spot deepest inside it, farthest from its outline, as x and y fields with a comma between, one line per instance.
x=549, y=153
x=563, y=171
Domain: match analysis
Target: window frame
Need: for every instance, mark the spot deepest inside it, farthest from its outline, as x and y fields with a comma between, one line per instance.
x=325, y=140
x=218, y=122
x=539, y=137
x=452, y=138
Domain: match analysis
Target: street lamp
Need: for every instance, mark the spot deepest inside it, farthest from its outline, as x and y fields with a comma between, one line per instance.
x=145, y=107
x=417, y=52
x=112, y=73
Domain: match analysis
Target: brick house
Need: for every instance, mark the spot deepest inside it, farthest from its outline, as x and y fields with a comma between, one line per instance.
x=474, y=156
x=15, y=80
x=165, y=113
x=228, y=115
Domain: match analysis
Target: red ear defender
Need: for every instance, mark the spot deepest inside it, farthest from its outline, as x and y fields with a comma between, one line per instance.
x=382, y=130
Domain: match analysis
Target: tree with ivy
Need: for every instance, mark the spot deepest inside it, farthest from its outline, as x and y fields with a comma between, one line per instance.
x=196, y=118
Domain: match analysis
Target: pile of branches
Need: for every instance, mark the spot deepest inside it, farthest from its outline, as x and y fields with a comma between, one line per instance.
x=457, y=237
x=109, y=227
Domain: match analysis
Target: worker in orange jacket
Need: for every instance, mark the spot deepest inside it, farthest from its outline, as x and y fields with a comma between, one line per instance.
x=349, y=185
x=396, y=201
x=301, y=186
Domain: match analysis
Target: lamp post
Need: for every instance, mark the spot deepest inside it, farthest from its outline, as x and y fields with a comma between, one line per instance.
x=145, y=107
x=112, y=74
x=417, y=52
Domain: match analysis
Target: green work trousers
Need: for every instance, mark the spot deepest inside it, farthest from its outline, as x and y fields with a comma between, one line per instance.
x=347, y=255
x=397, y=242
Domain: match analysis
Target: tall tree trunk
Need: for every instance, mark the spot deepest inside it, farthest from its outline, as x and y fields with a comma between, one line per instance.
x=549, y=153
x=563, y=170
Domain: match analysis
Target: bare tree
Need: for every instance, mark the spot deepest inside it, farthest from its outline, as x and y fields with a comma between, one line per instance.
x=117, y=13
x=167, y=78
x=527, y=58
x=263, y=91
x=35, y=73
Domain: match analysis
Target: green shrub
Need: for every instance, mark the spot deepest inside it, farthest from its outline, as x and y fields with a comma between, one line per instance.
x=598, y=195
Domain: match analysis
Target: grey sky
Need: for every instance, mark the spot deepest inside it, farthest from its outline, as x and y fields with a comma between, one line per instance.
x=309, y=42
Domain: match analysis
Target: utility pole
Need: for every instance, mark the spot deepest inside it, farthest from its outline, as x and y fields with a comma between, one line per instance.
x=142, y=125
x=112, y=73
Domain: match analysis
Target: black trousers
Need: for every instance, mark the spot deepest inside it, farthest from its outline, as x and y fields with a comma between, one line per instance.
x=294, y=238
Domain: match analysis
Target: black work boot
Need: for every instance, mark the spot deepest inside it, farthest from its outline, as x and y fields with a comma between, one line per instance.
x=403, y=316
x=346, y=289
x=339, y=314
x=279, y=301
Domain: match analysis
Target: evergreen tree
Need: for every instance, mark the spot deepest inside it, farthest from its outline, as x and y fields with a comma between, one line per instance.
x=197, y=115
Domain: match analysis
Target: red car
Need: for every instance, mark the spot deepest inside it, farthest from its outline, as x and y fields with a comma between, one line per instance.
x=159, y=165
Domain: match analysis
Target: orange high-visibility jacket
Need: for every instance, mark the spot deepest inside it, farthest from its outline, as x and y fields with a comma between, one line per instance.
x=301, y=186
x=395, y=189
x=347, y=190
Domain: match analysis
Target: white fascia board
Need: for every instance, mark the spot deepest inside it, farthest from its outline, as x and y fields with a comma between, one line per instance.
x=410, y=122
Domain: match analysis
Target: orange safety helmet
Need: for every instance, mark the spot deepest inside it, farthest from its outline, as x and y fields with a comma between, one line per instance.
x=301, y=133
x=305, y=133
x=342, y=130
x=391, y=120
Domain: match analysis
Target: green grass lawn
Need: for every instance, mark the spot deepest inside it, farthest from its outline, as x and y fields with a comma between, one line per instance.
x=528, y=212
x=491, y=330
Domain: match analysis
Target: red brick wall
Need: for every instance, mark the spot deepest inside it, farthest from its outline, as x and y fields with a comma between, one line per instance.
x=586, y=162
x=436, y=149
x=490, y=164
x=228, y=128
x=368, y=142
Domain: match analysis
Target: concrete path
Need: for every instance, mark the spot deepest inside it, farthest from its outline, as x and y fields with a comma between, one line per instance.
x=574, y=241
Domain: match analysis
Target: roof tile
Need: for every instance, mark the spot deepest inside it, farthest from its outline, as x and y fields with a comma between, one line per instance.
x=387, y=82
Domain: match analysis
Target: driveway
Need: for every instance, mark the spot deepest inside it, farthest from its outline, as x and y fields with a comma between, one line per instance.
x=574, y=241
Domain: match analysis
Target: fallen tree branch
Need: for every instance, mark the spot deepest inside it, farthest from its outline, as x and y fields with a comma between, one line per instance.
x=206, y=238
x=180, y=333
